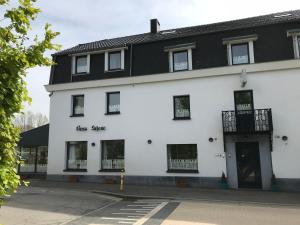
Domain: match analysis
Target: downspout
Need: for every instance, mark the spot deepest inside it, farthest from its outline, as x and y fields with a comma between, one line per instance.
x=130, y=69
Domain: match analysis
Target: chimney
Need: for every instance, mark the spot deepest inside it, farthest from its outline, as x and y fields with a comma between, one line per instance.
x=155, y=26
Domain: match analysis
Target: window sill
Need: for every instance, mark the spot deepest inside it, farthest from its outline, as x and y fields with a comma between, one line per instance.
x=181, y=118
x=79, y=74
x=112, y=113
x=175, y=71
x=75, y=170
x=112, y=170
x=112, y=71
x=182, y=171
x=77, y=115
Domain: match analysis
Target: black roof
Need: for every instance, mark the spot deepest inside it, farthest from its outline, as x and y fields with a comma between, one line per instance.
x=275, y=18
x=36, y=137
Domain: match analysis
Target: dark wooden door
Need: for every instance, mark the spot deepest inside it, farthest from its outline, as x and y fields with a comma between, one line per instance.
x=248, y=165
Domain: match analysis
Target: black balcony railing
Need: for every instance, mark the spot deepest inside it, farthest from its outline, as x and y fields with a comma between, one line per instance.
x=254, y=121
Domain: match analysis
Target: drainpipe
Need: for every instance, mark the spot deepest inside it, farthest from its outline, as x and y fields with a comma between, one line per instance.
x=130, y=69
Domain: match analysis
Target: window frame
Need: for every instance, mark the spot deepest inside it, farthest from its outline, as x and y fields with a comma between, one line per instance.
x=174, y=108
x=243, y=91
x=67, y=169
x=73, y=106
x=107, y=103
x=248, y=51
x=187, y=59
x=102, y=157
x=182, y=170
x=74, y=65
x=111, y=53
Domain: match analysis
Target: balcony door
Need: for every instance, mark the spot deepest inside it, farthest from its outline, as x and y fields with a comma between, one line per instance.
x=244, y=109
x=248, y=165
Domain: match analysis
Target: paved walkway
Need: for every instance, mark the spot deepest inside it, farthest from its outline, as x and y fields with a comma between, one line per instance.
x=241, y=196
x=199, y=213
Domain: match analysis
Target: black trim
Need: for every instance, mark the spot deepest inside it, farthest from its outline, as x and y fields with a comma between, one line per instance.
x=111, y=170
x=244, y=43
x=67, y=159
x=77, y=115
x=102, y=156
x=112, y=113
x=187, y=59
x=73, y=106
x=174, y=109
x=76, y=58
x=243, y=91
x=182, y=171
x=107, y=103
x=75, y=170
x=108, y=65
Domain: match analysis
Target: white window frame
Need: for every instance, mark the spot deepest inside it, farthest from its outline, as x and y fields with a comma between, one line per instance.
x=295, y=34
x=184, y=47
x=88, y=60
x=106, y=60
x=240, y=40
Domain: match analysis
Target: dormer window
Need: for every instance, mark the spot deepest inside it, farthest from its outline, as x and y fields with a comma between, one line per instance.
x=80, y=64
x=240, y=50
x=295, y=34
x=240, y=54
x=180, y=57
x=180, y=60
x=114, y=60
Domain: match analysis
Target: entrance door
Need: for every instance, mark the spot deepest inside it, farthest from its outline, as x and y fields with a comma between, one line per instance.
x=248, y=165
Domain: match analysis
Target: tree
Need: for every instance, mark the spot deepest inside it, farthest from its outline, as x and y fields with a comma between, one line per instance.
x=28, y=120
x=18, y=53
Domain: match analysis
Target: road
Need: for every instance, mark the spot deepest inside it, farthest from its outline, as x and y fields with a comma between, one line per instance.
x=64, y=206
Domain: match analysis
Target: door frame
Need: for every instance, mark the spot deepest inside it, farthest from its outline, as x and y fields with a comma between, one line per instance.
x=259, y=184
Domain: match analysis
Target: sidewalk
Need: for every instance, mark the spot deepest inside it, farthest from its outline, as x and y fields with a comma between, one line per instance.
x=197, y=194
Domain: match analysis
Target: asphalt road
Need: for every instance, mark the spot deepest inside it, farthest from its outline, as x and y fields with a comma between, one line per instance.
x=66, y=206
x=57, y=206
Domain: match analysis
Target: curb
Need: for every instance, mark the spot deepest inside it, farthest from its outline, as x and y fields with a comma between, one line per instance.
x=206, y=200
x=126, y=196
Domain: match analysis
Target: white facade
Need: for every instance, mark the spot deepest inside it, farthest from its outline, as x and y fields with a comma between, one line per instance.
x=147, y=113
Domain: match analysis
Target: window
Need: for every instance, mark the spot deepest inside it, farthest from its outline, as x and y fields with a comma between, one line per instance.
x=243, y=101
x=181, y=107
x=240, y=54
x=112, y=155
x=182, y=158
x=114, y=62
x=76, y=155
x=77, y=105
x=180, y=60
x=298, y=39
x=81, y=64
x=295, y=35
x=28, y=157
x=42, y=159
x=240, y=50
x=113, y=103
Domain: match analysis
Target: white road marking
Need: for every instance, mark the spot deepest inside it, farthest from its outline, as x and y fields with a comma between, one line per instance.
x=117, y=218
x=135, y=209
x=86, y=214
x=130, y=213
x=150, y=214
x=143, y=205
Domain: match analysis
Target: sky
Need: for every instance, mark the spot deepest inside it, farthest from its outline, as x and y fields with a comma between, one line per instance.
x=80, y=21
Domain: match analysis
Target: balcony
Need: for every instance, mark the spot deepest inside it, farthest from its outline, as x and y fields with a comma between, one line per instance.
x=245, y=122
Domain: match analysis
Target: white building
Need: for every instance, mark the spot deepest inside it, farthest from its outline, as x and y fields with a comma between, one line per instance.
x=181, y=106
